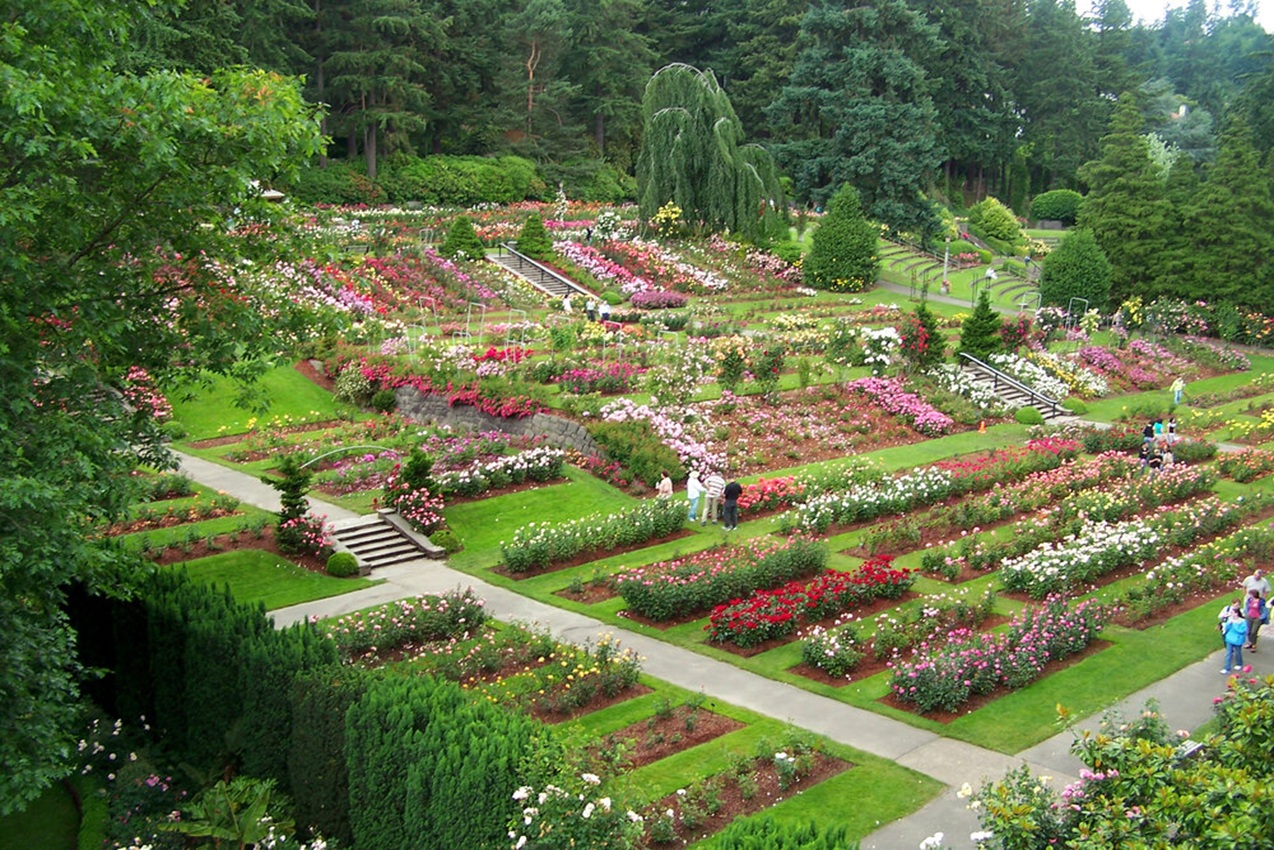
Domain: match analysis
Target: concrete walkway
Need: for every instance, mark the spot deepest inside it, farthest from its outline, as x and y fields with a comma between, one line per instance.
x=1185, y=699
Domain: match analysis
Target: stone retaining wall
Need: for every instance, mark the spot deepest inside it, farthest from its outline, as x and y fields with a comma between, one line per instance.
x=556, y=431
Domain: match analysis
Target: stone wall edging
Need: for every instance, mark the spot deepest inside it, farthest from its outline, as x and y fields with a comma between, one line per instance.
x=556, y=431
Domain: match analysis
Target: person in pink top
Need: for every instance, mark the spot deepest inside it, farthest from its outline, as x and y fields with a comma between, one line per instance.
x=713, y=487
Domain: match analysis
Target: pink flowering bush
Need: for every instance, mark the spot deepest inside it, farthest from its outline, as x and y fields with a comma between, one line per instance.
x=889, y=394
x=655, y=299
x=305, y=535
x=142, y=395
x=607, y=378
x=390, y=626
x=969, y=664
x=771, y=493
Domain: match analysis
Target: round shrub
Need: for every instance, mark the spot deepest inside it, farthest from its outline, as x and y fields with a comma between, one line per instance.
x=385, y=401
x=1058, y=205
x=341, y=565
x=995, y=220
x=1075, y=405
x=447, y=539
x=1029, y=416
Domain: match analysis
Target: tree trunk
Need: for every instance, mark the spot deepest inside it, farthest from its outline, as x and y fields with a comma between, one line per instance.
x=369, y=150
x=599, y=133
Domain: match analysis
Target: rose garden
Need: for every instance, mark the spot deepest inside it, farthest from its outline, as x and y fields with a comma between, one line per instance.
x=910, y=545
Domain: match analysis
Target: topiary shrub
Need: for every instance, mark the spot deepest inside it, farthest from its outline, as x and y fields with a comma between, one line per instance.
x=994, y=220
x=980, y=333
x=1029, y=416
x=1077, y=268
x=342, y=565
x=1075, y=405
x=1058, y=205
x=385, y=401
x=462, y=241
x=842, y=255
x=447, y=539
x=534, y=239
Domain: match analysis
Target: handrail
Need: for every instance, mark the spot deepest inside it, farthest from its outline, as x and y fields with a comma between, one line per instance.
x=1037, y=398
x=543, y=272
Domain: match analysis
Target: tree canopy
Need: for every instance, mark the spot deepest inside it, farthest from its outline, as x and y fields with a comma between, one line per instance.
x=124, y=202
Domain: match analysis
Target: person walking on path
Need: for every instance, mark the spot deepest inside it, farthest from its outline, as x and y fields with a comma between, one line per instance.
x=730, y=508
x=1259, y=582
x=694, y=489
x=1178, y=387
x=1235, y=632
x=664, y=490
x=713, y=486
x=590, y=310
x=603, y=314
x=1158, y=430
x=1255, y=614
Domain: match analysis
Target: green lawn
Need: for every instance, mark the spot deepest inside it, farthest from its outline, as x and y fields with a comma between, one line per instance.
x=256, y=576
x=206, y=411
x=50, y=823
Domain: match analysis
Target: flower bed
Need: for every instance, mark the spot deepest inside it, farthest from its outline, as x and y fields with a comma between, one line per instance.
x=839, y=649
x=768, y=614
x=1246, y=466
x=607, y=379
x=389, y=626
x=890, y=395
x=542, y=544
x=767, y=494
x=972, y=664
x=541, y=464
x=679, y=588
x=870, y=500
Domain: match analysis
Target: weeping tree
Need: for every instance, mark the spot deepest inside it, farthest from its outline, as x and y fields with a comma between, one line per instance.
x=692, y=155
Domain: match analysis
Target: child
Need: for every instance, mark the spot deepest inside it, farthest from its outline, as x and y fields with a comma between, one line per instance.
x=1235, y=631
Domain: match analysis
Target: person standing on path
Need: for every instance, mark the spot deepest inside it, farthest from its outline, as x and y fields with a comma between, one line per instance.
x=732, y=492
x=664, y=490
x=694, y=489
x=603, y=311
x=1254, y=613
x=713, y=487
x=1259, y=582
x=1178, y=387
x=1235, y=631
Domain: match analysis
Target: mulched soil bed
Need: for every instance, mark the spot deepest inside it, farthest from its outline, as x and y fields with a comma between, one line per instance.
x=1194, y=600
x=648, y=741
x=590, y=594
x=945, y=717
x=596, y=704
x=166, y=521
x=733, y=803
x=589, y=556
x=235, y=540
x=229, y=439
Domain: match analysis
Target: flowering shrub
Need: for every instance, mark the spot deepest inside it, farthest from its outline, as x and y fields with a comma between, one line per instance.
x=309, y=534
x=1247, y=465
x=608, y=379
x=670, y=424
x=657, y=299
x=542, y=544
x=142, y=395
x=890, y=395
x=684, y=586
x=869, y=500
x=511, y=407
x=972, y=664
x=406, y=621
x=776, y=613
x=539, y=464
x=556, y=817
x=770, y=493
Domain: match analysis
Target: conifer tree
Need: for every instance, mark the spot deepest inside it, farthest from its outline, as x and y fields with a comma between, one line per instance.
x=842, y=255
x=462, y=241
x=980, y=334
x=1077, y=268
x=534, y=239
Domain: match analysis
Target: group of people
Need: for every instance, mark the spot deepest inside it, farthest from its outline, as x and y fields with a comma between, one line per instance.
x=1157, y=441
x=1240, y=621
x=716, y=494
x=597, y=311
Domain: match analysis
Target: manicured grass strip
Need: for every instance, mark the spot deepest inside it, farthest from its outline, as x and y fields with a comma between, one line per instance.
x=257, y=576
x=290, y=394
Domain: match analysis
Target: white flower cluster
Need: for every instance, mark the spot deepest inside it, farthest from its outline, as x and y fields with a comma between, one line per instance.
x=1099, y=548
x=870, y=500
x=953, y=379
x=1031, y=374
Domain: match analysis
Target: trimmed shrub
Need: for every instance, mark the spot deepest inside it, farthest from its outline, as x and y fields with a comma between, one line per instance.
x=842, y=255
x=462, y=241
x=1029, y=416
x=1058, y=205
x=1077, y=268
x=463, y=181
x=980, y=333
x=1075, y=405
x=341, y=182
x=447, y=539
x=342, y=564
x=534, y=239
x=995, y=221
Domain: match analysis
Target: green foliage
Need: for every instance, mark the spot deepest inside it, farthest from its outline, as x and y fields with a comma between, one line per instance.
x=385, y=401
x=842, y=255
x=534, y=239
x=765, y=831
x=462, y=240
x=1077, y=268
x=342, y=564
x=1075, y=405
x=447, y=539
x=461, y=181
x=923, y=344
x=635, y=445
x=1028, y=416
x=243, y=812
x=1058, y=205
x=340, y=182
x=980, y=333
x=996, y=221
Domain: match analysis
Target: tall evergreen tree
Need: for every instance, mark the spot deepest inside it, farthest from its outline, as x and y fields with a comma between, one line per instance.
x=980, y=333
x=858, y=110
x=1077, y=268
x=1126, y=208
x=1231, y=226
x=692, y=154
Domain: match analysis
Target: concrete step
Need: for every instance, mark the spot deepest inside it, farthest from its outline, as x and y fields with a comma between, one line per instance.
x=376, y=541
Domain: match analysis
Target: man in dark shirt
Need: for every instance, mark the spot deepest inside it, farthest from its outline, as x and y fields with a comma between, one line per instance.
x=730, y=509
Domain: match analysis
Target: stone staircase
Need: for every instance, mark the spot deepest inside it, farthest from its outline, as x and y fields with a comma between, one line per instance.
x=537, y=274
x=1012, y=392
x=381, y=539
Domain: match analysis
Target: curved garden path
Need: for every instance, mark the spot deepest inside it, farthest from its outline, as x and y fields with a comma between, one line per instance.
x=1185, y=698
